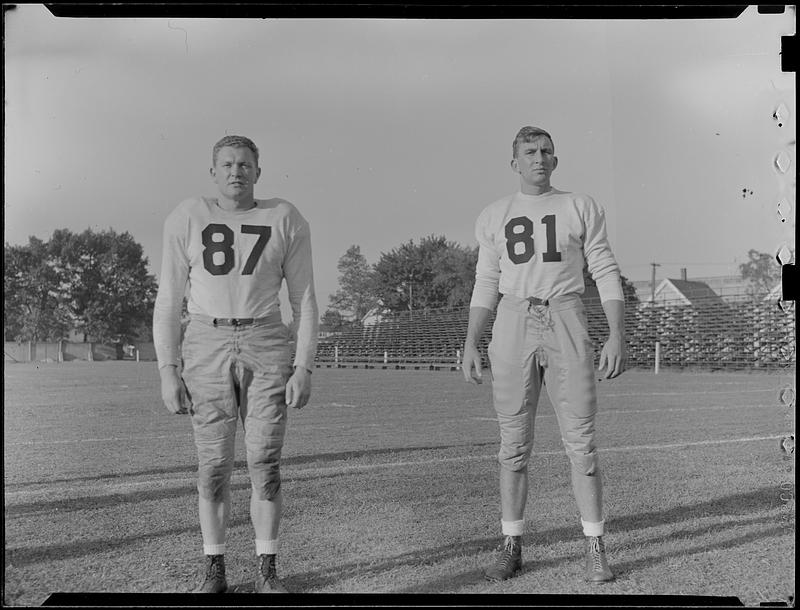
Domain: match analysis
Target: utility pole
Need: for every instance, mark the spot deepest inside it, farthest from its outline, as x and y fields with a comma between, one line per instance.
x=653, y=283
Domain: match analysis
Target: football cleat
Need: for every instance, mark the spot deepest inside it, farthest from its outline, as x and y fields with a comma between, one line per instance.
x=214, y=581
x=508, y=562
x=597, y=569
x=267, y=580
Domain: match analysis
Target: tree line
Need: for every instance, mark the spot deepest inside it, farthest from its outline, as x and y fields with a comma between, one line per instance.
x=430, y=274
x=762, y=272
x=433, y=273
x=97, y=284
x=92, y=283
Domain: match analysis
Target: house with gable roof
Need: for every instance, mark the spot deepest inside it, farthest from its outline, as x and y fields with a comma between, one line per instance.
x=683, y=291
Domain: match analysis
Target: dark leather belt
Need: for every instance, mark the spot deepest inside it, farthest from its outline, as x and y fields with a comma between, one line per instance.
x=537, y=301
x=233, y=321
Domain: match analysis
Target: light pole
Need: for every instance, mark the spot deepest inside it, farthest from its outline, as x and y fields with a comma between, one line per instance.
x=653, y=283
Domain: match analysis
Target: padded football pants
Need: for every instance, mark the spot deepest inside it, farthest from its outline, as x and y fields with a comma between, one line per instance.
x=235, y=372
x=550, y=343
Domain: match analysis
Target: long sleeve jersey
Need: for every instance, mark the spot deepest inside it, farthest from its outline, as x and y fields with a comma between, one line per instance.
x=234, y=263
x=537, y=245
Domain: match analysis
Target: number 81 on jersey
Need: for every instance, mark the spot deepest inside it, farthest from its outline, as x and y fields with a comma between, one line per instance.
x=519, y=231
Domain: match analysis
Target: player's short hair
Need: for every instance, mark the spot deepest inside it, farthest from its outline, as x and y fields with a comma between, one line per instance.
x=235, y=142
x=529, y=134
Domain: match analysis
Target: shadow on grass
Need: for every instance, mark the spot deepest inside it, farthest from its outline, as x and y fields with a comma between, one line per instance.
x=57, y=552
x=328, y=576
x=621, y=570
x=754, y=500
x=242, y=464
x=738, y=504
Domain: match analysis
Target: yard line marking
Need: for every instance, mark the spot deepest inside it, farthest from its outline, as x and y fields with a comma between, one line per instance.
x=749, y=439
x=45, y=490
x=401, y=464
x=113, y=439
x=600, y=411
x=691, y=393
x=547, y=415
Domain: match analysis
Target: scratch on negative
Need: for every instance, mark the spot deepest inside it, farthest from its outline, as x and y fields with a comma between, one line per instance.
x=185, y=34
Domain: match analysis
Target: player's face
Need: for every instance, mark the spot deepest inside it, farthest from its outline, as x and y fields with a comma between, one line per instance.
x=236, y=172
x=535, y=163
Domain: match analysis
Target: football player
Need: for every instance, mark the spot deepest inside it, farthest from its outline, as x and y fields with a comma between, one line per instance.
x=233, y=251
x=533, y=246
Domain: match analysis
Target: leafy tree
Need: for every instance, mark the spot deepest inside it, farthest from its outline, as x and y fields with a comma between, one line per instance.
x=761, y=271
x=333, y=321
x=455, y=274
x=432, y=274
x=94, y=282
x=31, y=294
x=354, y=298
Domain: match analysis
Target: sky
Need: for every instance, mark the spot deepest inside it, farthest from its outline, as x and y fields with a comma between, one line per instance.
x=386, y=130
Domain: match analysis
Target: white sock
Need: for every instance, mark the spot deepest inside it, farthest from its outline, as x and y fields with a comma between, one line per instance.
x=513, y=528
x=593, y=529
x=214, y=549
x=267, y=547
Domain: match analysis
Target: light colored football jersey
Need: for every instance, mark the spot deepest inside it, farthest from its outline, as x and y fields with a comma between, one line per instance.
x=536, y=245
x=234, y=263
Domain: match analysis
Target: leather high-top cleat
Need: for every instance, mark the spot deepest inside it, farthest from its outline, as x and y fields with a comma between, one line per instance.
x=267, y=580
x=215, y=581
x=597, y=569
x=509, y=561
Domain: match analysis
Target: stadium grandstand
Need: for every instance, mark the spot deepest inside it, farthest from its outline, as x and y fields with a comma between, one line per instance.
x=709, y=333
x=691, y=330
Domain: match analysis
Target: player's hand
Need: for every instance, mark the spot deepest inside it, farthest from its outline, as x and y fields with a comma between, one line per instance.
x=613, y=357
x=471, y=365
x=173, y=392
x=298, y=388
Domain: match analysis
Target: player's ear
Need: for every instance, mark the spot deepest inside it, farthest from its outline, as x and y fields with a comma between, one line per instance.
x=258, y=175
x=555, y=162
x=515, y=165
x=213, y=172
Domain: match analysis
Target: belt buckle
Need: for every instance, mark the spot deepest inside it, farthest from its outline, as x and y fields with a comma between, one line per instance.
x=233, y=321
x=537, y=301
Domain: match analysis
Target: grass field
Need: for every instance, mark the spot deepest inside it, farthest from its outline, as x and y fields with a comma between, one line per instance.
x=390, y=487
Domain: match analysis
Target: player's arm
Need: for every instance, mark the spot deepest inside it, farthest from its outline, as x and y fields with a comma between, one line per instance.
x=483, y=301
x=471, y=362
x=613, y=356
x=173, y=392
x=604, y=270
x=166, y=316
x=299, y=275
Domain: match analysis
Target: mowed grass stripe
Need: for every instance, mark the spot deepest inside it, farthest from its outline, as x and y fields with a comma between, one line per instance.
x=290, y=473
